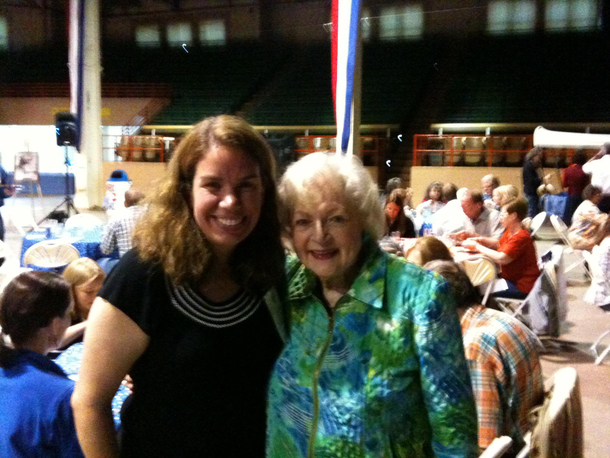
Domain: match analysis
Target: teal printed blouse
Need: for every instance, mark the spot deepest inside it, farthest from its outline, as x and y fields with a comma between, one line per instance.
x=383, y=375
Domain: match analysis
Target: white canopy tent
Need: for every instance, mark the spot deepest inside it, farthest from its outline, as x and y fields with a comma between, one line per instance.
x=553, y=139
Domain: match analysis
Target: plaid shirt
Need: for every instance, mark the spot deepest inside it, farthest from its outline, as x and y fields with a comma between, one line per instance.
x=120, y=229
x=505, y=373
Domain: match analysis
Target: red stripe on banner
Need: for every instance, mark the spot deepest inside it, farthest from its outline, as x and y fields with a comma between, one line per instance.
x=334, y=45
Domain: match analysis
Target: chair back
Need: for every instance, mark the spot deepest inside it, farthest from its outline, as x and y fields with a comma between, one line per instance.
x=497, y=448
x=561, y=228
x=537, y=222
x=50, y=255
x=481, y=271
x=559, y=429
x=556, y=260
x=596, y=271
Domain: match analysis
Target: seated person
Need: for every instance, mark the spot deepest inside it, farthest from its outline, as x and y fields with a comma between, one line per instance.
x=408, y=207
x=501, y=196
x=432, y=201
x=599, y=291
x=86, y=278
x=428, y=249
x=449, y=192
x=503, y=359
x=391, y=184
x=396, y=219
x=119, y=231
x=515, y=252
x=452, y=209
x=473, y=220
x=488, y=184
x=587, y=220
x=35, y=412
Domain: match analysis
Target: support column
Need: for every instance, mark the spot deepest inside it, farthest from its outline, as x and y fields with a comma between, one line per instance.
x=90, y=109
x=91, y=143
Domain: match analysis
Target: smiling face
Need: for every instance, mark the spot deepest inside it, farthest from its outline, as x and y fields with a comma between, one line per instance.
x=327, y=239
x=85, y=294
x=227, y=198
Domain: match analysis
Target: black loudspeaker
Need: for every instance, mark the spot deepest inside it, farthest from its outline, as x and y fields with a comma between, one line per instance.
x=66, y=130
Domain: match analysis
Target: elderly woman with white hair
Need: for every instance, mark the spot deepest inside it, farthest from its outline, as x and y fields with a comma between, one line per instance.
x=375, y=364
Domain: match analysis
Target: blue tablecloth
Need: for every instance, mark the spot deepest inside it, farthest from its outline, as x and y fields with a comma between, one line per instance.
x=70, y=361
x=88, y=244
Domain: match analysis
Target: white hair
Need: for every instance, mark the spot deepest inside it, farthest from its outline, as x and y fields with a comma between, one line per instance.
x=315, y=175
x=461, y=193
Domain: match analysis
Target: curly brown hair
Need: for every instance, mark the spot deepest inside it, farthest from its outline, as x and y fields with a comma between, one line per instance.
x=167, y=233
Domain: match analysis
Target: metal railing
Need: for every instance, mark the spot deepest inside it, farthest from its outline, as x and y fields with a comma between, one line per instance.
x=138, y=148
x=489, y=150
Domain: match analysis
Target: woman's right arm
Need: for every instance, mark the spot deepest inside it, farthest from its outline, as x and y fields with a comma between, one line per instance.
x=488, y=242
x=113, y=343
x=73, y=333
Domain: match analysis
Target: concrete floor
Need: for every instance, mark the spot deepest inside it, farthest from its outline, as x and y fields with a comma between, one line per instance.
x=585, y=322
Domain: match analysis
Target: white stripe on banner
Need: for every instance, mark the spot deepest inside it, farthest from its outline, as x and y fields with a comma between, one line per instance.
x=347, y=40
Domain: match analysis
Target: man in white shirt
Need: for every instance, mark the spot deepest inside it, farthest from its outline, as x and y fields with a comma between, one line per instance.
x=471, y=220
x=599, y=169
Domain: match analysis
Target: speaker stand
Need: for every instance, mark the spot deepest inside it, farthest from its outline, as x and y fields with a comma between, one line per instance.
x=67, y=201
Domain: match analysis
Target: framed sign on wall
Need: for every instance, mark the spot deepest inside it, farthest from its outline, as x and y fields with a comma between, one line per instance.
x=26, y=168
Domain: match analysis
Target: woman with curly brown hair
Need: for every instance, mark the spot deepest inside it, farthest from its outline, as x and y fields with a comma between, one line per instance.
x=192, y=313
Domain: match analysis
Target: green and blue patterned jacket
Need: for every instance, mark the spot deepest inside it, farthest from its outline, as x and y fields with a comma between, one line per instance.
x=383, y=375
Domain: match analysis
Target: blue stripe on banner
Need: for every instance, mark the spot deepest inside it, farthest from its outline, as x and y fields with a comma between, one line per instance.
x=351, y=63
x=80, y=88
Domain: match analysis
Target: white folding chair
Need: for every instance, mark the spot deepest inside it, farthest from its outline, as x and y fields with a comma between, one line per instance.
x=536, y=222
x=480, y=271
x=597, y=275
x=525, y=451
x=497, y=448
x=542, y=316
x=50, y=254
x=558, y=430
x=561, y=229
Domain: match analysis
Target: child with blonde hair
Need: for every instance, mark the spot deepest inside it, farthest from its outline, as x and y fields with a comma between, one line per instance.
x=86, y=278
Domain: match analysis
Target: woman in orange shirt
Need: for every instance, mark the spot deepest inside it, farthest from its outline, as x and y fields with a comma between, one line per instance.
x=515, y=252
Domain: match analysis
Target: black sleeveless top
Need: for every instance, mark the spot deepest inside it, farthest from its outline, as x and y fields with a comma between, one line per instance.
x=200, y=388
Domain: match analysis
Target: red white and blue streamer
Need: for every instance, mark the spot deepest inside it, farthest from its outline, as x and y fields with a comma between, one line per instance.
x=345, y=18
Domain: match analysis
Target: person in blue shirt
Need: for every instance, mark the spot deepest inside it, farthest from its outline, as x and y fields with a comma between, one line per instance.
x=35, y=413
x=6, y=190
